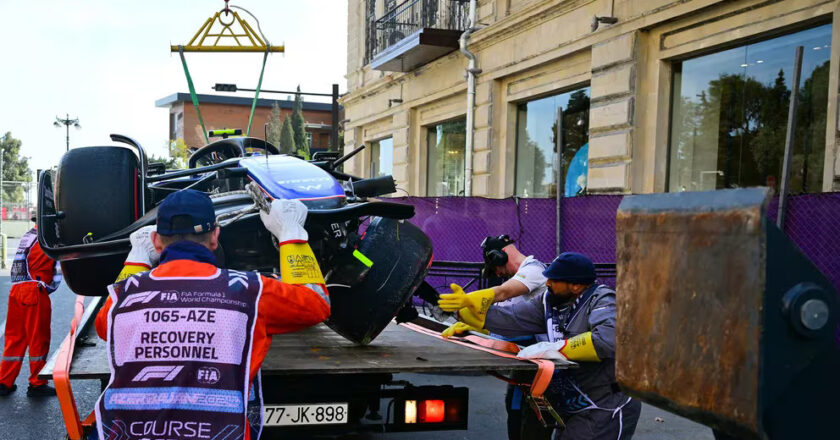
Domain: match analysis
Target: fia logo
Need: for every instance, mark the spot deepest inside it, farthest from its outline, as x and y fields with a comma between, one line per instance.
x=169, y=297
x=208, y=375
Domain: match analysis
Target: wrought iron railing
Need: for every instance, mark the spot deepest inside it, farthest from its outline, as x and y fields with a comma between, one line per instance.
x=410, y=16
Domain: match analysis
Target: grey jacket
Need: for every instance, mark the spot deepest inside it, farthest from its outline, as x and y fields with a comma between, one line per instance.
x=595, y=314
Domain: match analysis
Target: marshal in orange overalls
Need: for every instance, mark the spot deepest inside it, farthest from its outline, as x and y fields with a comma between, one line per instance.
x=29, y=312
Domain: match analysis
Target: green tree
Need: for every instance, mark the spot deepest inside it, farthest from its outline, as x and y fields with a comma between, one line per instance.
x=179, y=154
x=275, y=126
x=170, y=162
x=299, y=127
x=15, y=169
x=287, y=138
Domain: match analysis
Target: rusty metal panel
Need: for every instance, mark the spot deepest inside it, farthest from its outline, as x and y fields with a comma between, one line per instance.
x=691, y=279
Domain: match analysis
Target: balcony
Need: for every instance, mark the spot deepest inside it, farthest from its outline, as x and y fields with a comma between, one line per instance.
x=414, y=33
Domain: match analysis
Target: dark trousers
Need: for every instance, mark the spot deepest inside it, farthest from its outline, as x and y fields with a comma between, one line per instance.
x=522, y=422
x=596, y=424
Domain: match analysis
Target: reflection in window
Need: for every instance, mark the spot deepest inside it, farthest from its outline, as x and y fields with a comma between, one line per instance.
x=730, y=110
x=446, y=142
x=382, y=157
x=536, y=173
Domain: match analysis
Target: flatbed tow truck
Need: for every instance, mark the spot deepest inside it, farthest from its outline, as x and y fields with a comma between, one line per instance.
x=317, y=382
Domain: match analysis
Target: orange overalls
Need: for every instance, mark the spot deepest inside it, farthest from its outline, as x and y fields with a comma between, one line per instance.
x=29, y=312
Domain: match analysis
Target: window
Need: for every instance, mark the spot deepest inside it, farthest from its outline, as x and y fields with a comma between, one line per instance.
x=730, y=110
x=536, y=151
x=446, y=167
x=382, y=157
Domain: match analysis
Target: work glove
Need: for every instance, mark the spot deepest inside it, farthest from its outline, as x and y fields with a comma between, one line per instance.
x=544, y=350
x=461, y=327
x=466, y=316
x=577, y=348
x=285, y=220
x=478, y=302
x=143, y=251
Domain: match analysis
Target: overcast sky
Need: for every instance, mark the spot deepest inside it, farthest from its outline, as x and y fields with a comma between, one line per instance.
x=106, y=62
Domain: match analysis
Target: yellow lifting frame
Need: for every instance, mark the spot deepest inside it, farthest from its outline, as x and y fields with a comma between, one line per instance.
x=201, y=41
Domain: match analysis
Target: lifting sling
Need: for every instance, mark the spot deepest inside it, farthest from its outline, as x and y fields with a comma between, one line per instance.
x=206, y=40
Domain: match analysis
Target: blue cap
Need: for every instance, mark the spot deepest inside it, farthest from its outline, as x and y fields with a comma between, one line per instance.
x=186, y=212
x=571, y=267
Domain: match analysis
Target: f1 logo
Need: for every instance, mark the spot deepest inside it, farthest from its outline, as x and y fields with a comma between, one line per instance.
x=165, y=372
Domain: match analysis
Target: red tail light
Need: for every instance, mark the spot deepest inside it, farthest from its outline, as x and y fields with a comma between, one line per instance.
x=431, y=411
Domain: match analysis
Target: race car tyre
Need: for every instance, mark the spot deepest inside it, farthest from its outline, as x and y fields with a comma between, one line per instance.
x=401, y=254
x=97, y=190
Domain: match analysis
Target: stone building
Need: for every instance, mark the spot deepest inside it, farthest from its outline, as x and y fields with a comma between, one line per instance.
x=220, y=112
x=639, y=96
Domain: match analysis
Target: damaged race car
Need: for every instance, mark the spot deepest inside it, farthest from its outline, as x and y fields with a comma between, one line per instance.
x=372, y=259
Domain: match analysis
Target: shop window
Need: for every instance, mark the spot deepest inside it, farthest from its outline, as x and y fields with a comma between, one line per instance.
x=446, y=167
x=536, y=146
x=382, y=157
x=730, y=110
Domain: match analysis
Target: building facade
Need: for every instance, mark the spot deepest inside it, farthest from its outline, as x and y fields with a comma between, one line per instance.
x=221, y=112
x=655, y=96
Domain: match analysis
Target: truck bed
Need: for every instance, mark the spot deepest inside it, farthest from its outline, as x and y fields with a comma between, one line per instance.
x=320, y=350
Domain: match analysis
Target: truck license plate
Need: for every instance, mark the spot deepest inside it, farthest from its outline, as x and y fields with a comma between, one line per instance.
x=308, y=414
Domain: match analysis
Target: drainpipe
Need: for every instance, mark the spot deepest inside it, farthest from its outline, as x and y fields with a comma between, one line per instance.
x=472, y=71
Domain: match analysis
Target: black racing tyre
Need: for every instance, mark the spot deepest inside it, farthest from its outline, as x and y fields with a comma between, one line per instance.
x=401, y=254
x=97, y=190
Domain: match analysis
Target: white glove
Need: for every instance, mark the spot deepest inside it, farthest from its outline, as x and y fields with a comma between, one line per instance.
x=544, y=350
x=143, y=251
x=285, y=220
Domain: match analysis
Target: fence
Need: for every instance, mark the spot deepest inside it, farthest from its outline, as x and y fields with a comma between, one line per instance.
x=18, y=202
x=457, y=225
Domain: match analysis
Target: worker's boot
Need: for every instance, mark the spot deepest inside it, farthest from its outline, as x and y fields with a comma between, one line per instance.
x=5, y=391
x=40, y=391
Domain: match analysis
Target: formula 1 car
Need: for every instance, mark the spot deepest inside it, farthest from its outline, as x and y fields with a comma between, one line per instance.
x=371, y=258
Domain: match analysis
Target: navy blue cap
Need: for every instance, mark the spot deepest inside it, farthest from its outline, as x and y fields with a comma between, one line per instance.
x=186, y=212
x=571, y=267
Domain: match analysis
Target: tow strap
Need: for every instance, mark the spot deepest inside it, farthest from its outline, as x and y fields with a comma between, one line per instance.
x=257, y=94
x=505, y=349
x=194, y=97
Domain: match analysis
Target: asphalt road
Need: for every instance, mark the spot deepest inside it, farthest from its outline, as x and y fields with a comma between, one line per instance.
x=24, y=418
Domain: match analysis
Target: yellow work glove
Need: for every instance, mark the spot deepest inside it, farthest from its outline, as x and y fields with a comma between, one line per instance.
x=466, y=316
x=298, y=264
x=460, y=327
x=580, y=348
x=129, y=270
x=478, y=302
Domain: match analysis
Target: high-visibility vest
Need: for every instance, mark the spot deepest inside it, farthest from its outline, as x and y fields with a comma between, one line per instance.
x=179, y=352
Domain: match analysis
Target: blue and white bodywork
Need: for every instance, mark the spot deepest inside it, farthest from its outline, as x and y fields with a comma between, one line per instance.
x=287, y=177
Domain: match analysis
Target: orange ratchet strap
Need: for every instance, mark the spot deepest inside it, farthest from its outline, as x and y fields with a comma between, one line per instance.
x=61, y=375
x=504, y=349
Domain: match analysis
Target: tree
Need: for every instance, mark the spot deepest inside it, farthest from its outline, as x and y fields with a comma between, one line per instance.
x=170, y=162
x=287, y=138
x=275, y=126
x=15, y=169
x=179, y=154
x=299, y=127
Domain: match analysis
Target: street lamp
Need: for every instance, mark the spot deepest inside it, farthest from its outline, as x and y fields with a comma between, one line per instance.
x=67, y=122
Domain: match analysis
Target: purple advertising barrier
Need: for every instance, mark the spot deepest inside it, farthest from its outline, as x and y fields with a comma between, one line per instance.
x=457, y=225
x=813, y=224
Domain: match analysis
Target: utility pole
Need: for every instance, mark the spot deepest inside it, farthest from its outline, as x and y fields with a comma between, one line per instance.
x=2, y=236
x=67, y=122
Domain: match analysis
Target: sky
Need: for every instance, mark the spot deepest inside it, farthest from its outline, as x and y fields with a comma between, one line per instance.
x=107, y=62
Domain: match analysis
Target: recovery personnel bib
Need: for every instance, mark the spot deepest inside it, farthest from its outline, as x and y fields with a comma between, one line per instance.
x=179, y=351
